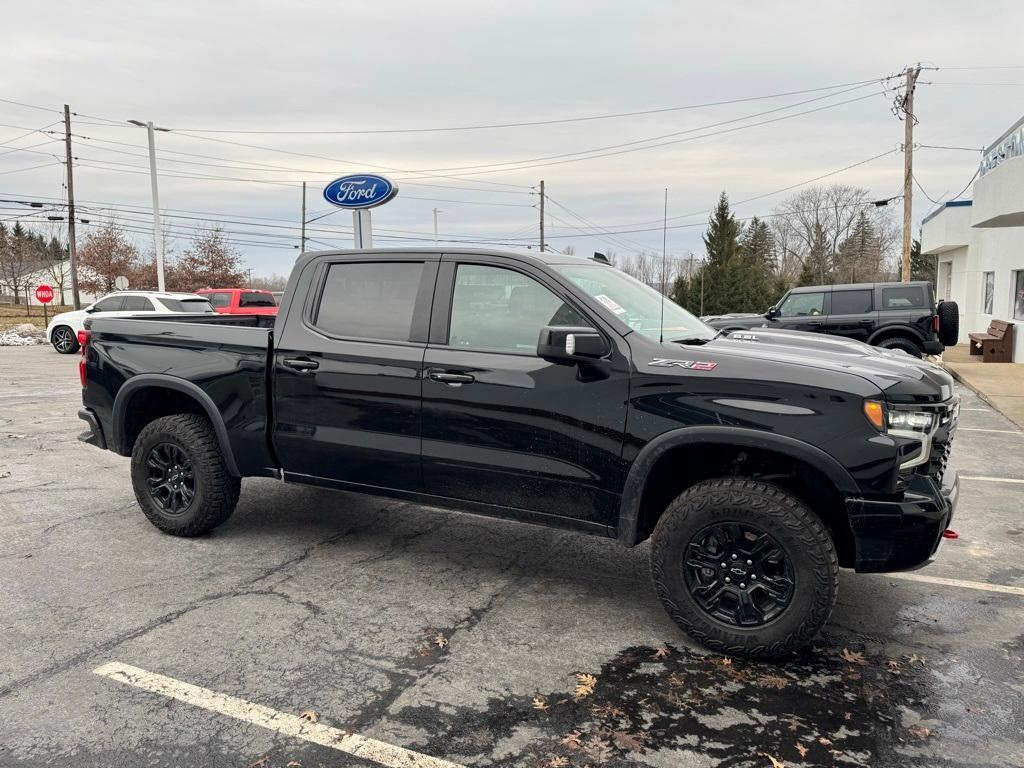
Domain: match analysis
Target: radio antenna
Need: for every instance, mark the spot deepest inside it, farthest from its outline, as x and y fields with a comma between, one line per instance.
x=664, y=257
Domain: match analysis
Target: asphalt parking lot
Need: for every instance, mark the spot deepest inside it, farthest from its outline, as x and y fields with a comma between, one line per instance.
x=408, y=632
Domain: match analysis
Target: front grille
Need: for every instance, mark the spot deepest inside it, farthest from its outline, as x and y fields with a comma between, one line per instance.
x=942, y=441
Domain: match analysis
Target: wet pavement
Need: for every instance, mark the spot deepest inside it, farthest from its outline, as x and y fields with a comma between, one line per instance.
x=479, y=641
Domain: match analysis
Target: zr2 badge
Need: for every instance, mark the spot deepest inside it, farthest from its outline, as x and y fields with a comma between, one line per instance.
x=693, y=365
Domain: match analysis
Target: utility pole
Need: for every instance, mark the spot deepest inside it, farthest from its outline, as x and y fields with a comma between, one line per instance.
x=302, y=247
x=542, y=215
x=72, y=246
x=909, y=119
x=436, y=211
x=158, y=234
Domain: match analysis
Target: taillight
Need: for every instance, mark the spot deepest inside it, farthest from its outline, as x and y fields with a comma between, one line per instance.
x=83, y=342
x=935, y=323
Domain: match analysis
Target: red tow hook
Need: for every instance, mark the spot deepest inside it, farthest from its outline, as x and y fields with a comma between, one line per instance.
x=949, y=533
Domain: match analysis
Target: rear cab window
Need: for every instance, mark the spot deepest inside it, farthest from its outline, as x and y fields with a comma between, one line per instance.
x=369, y=300
x=904, y=297
x=851, y=302
x=220, y=299
x=256, y=299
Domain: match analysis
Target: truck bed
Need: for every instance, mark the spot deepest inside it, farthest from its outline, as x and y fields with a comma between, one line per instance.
x=225, y=357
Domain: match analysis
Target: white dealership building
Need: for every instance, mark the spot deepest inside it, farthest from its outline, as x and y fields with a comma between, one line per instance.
x=980, y=243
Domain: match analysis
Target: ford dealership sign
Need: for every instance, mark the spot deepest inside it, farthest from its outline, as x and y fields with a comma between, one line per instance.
x=361, y=190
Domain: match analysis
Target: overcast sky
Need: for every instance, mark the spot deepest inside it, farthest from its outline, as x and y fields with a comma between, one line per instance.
x=265, y=66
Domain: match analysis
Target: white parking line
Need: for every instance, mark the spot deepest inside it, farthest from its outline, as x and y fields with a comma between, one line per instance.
x=265, y=717
x=991, y=479
x=940, y=581
x=1000, y=431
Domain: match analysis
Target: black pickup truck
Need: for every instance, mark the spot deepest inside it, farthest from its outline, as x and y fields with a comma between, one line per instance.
x=552, y=389
x=900, y=316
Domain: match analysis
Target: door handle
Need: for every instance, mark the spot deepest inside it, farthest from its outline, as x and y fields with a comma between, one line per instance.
x=866, y=321
x=301, y=364
x=451, y=378
x=814, y=322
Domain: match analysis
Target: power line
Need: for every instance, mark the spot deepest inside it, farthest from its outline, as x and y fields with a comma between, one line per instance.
x=555, y=121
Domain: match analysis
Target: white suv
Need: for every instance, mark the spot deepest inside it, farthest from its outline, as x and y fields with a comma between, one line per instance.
x=63, y=330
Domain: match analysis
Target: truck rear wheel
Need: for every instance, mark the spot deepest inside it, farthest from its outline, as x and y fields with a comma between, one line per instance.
x=744, y=567
x=179, y=477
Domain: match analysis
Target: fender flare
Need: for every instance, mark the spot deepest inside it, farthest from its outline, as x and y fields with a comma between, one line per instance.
x=145, y=380
x=636, y=480
x=887, y=331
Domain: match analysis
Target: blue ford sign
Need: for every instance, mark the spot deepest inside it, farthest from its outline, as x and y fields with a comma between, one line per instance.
x=361, y=190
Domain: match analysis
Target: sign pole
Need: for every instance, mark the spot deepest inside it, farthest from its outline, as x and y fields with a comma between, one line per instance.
x=362, y=228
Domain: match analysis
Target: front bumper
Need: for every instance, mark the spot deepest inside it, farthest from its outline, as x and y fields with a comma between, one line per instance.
x=93, y=435
x=903, y=535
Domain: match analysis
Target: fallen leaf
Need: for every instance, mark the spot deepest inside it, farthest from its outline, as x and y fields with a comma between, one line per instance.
x=915, y=659
x=824, y=742
x=776, y=763
x=310, y=715
x=848, y=716
x=801, y=749
x=598, y=749
x=852, y=657
x=793, y=722
x=559, y=761
x=894, y=666
x=439, y=640
x=675, y=681
x=659, y=654
x=562, y=701
x=540, y=703
x=721, y=661
x=606, y=711
x=585, y=684
x=772, y=681
x=572, y=740
x=627, y=742
x=920, y=732
x=293, y=764
x=261, y=763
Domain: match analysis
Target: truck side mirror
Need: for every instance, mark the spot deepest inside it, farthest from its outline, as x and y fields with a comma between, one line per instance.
x=772, y=312
x=570, y=343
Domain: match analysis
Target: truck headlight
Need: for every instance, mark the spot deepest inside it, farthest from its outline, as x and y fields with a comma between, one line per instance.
x=910, y=421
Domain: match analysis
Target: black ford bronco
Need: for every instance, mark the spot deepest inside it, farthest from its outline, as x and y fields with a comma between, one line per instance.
x=556, y=390
x=900, y=316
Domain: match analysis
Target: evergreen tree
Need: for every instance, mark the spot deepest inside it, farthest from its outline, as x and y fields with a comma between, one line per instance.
x=817, y=266
x=922, y=267
x=724, y=269
x=859, y=257
x=757, y=253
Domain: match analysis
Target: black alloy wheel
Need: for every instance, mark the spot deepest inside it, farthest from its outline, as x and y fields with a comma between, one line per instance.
x=170, y=478
x=738, y=574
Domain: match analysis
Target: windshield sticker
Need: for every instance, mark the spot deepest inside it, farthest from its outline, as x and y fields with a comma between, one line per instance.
x=693, y=365
x=609, y=302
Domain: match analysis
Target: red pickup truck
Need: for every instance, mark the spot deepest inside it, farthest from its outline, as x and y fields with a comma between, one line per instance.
x=241, y=301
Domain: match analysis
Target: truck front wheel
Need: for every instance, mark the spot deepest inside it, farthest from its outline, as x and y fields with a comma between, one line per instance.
x=179, y=477
x=744, y=567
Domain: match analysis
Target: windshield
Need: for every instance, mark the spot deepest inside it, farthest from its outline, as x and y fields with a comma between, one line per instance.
x=636, y=304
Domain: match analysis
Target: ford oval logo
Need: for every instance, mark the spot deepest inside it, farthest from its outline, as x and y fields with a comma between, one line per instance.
x=361, y=190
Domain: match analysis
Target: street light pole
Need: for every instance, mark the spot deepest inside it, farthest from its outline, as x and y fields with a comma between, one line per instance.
x=158, y=235
x=436, y=211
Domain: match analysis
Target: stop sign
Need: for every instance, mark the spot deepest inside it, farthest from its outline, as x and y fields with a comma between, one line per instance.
x=44, y=294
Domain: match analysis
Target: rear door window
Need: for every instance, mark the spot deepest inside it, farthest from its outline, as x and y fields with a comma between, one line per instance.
x=369, y=300
x=903, y=297
x=851, y=302
x=137, y=304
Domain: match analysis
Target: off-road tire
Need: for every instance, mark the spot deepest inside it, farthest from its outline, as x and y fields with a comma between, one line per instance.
x=216, y=490
x=949, y=323
x=898, y=342
x=798, y=531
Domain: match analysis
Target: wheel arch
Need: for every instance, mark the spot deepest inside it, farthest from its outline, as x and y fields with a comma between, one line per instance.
x=148, y=396
x=907, y=332
x=821, y=482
